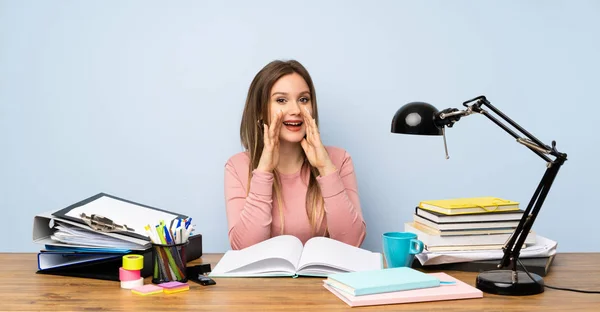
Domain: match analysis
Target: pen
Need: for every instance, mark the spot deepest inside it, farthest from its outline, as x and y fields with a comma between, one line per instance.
x=187, y=232
x=154, y=235
x=168, y=236
x=161, y=235
x=171, y=227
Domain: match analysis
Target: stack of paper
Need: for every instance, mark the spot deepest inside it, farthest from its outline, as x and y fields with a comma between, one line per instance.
x=544, y=247
x=76, y=236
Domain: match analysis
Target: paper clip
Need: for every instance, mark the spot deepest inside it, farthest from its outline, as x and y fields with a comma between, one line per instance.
x=103, y=224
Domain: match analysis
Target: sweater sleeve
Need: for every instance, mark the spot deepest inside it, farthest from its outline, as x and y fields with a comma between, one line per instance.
x=249, y=217
x=342, y=205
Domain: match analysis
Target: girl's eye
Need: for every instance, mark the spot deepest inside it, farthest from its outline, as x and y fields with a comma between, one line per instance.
x=304, y=100
x=280, y=100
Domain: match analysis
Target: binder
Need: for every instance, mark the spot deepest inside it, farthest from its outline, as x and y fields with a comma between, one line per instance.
x=57, y=259
x=43, y=228
x=104, y=214
x=103, y=269
x=89, y=238
x=108, y=268
x=129, y=217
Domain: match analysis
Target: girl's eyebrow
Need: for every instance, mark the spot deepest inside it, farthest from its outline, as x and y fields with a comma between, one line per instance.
x=285, y=93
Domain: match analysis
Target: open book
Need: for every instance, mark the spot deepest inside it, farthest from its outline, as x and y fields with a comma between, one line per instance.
x=284, y=255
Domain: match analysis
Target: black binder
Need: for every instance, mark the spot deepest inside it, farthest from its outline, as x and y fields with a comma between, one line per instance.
x=108, y=269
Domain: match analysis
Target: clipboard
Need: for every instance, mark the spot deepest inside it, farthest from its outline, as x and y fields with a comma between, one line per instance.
x=105, y=212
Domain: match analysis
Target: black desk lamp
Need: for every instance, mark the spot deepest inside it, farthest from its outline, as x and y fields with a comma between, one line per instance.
x=424, y=119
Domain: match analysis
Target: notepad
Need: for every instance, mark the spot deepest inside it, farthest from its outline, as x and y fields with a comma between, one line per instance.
x=147, y=289
x=173, y=287
x=381, y=281
x=458, y=290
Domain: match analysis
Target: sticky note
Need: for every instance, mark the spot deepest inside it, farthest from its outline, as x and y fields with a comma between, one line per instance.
x=171, y=285
x=175, y=290
x=147, y=289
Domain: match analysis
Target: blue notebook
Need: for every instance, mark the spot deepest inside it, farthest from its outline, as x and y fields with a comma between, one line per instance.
x=381, y=281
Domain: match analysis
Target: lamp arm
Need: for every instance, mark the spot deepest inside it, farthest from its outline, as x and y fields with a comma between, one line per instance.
x=513, y=246
x=533, y=143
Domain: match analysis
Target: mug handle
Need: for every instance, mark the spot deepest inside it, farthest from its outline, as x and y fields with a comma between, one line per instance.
x=418, y=243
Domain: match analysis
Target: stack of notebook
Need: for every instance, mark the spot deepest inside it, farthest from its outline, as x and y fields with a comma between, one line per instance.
x=478, y=223
x=397, y=285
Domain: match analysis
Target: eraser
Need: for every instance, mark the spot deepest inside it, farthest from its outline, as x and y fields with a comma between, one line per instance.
x=172, y=285
x=147, y=289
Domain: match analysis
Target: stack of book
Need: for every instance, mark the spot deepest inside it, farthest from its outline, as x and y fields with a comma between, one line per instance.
x=464, y=224
x=397, y=285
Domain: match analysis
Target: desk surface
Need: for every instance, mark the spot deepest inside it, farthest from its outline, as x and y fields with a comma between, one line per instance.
x=23, y=290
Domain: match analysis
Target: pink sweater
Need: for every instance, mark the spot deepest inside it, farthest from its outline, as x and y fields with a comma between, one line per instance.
x=255, y=218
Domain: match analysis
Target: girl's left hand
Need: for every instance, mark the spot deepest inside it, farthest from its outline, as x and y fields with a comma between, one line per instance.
x=313, y=147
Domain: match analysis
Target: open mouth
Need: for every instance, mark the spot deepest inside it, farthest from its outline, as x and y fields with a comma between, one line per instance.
x=293, y=123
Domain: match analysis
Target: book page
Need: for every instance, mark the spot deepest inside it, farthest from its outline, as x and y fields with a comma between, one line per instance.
x=276, y=255
x=321, y=253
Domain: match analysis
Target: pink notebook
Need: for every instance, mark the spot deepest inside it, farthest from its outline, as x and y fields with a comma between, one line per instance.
x=459, y=290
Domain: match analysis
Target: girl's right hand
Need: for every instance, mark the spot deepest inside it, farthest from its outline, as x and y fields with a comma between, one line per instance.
x=270, y=154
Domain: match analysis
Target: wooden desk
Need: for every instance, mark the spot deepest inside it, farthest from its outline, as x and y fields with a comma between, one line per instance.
x=23, y=290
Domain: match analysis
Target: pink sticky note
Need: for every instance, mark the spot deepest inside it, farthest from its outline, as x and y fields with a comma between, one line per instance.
x=147, y=289
x=171, y=285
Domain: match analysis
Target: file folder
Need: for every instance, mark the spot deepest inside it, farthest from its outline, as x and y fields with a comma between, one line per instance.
x=107, y=267
x=118, y=211
x=90, y=237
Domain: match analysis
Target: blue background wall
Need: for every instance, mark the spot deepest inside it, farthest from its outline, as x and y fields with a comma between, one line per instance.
x=143, y=99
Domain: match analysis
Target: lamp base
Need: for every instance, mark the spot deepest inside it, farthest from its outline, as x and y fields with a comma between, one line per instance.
x=500, y=282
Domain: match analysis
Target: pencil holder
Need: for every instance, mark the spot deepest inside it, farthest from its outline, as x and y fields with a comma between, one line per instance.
x=169, y=263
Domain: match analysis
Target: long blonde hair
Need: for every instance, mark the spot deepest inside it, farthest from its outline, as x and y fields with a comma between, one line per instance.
x=256, y=110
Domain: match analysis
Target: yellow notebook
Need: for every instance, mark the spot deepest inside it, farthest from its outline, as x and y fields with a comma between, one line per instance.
x=471, y=205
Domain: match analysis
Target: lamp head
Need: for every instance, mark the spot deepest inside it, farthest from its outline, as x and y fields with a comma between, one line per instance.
x=416, y=118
